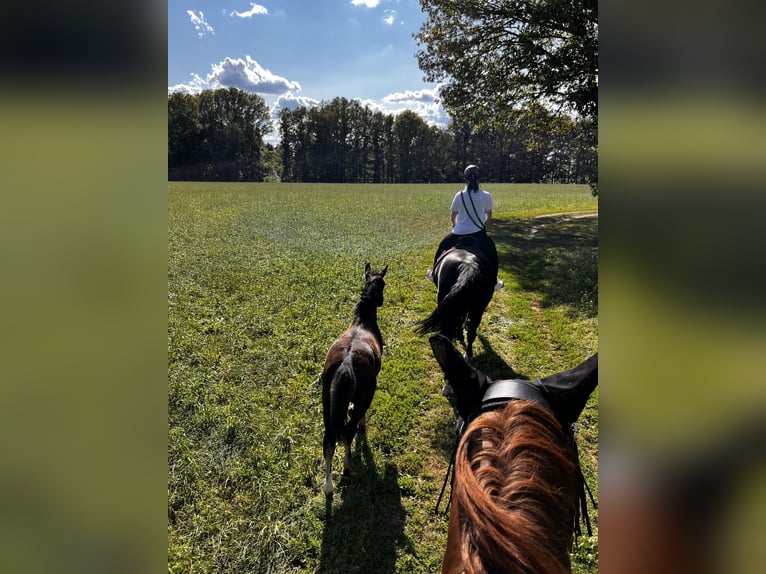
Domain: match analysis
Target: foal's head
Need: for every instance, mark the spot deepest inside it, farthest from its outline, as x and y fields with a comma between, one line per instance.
x=517, y=480
x=373, y=285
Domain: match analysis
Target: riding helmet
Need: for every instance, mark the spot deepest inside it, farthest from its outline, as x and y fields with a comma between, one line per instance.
x=471, y=172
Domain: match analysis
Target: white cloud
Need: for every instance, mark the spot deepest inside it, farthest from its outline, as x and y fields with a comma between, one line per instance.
x=425, y=103
x=247, y=75
x=390, y=17
x=200, y=24
x=290, y=101
x=413, y=96
x=255, y=10
x=373, y=105
x=196, y=85
x=250, y=76
x=368, y=3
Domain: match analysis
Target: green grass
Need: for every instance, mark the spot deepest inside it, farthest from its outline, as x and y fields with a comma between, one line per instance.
x=262, y=278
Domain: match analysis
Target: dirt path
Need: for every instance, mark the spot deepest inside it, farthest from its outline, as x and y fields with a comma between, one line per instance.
x=570, y=214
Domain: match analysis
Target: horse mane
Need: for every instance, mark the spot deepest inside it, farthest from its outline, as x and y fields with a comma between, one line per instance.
x=516, y=490
x=365, y=312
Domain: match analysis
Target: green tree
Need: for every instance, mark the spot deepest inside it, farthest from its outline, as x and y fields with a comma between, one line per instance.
x=501, y=55
x=412, y=140
x=184, y=130
x=233, y=123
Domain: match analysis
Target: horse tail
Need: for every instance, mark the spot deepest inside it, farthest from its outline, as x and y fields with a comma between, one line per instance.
x=341, y=392
x=450, y=312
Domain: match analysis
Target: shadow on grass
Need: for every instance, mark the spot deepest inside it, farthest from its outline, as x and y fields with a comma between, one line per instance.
x=556, y=256
x=491, y=364
x=362, y=533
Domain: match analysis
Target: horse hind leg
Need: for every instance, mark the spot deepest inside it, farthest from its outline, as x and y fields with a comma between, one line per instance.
x=356, y=423
x=329, y=451
x=472, y=326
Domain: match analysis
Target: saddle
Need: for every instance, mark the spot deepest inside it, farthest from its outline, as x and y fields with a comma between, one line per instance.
x=466, y=243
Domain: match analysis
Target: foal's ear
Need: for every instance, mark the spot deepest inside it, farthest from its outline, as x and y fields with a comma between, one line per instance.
x=568, y=392
x=468, y=383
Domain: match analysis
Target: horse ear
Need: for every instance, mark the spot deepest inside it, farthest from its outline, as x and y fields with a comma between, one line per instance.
x=568, y=392
x=367, y=269
x=383, y=273
x=468, y=383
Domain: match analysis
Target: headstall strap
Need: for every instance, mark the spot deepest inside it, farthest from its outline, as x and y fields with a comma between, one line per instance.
x=501, y=393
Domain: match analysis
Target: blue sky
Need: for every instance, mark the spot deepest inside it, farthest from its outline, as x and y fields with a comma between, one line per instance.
x=293, y=52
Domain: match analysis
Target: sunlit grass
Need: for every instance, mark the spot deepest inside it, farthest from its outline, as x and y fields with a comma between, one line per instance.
x=261, y=279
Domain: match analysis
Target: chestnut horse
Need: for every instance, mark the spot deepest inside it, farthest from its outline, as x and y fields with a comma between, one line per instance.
x=350, y=373
x=465, y=284
x=517, y=486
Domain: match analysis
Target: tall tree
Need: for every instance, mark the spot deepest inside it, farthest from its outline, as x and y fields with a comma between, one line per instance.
x=501, y=54
x=217, y=135
x=184, y=129
x=412, y=139
x=496, y=57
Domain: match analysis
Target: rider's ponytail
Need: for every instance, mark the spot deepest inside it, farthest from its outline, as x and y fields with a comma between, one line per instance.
x=471, y=174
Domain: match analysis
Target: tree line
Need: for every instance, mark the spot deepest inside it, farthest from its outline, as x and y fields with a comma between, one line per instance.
x=518, y=79
x=217, y=135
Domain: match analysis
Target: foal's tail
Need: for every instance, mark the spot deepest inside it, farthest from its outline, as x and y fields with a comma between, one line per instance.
x=342, y=388
x=450, y=313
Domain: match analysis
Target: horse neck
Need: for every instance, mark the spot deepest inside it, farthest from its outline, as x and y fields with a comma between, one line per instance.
x=365, y=313
x=366, y=316
x=499, y=526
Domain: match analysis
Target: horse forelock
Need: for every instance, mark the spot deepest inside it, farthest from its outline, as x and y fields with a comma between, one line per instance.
x=516, y=489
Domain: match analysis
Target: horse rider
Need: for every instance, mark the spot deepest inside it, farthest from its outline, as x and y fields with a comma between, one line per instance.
x=471, y=212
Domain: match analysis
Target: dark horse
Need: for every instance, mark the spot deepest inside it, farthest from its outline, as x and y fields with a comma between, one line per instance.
x=517, y=488
x=350, y=373
x=465, y=283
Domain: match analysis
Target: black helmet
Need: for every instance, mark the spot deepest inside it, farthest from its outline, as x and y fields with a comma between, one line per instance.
x=471, y=172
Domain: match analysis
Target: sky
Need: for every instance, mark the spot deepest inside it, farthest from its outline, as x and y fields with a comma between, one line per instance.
x=303, y=52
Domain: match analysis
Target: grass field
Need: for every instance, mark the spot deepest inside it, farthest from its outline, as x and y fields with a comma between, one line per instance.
x=261, y=279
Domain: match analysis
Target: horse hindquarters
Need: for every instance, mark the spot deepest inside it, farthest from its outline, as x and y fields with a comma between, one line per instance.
x=337, y=392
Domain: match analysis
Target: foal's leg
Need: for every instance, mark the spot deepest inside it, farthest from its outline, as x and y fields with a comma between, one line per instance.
x=329, y=450
x=356, y=423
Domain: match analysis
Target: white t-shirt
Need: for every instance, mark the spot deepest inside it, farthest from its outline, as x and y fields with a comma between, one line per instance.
x=482, y=200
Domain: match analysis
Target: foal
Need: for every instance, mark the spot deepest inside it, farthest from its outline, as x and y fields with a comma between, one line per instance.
x=350, y=374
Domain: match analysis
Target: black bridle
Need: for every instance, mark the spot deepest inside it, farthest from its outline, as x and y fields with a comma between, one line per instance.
x=499, y=394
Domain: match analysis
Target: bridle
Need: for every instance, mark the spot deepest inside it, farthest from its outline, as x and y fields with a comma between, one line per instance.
x=499, y=394
x=496, y=397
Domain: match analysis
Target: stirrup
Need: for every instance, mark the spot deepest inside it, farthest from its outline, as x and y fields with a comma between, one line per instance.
x=499, y=285
x=430, y=275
